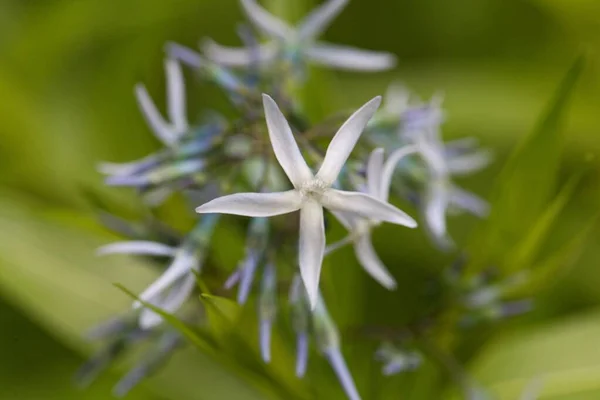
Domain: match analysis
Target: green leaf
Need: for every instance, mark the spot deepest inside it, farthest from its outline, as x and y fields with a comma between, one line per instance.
x=223, y=315
x=52, y=274
x=562, y=354
x=527, y=181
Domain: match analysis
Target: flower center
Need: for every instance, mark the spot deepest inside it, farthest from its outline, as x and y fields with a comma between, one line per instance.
x=313, y=188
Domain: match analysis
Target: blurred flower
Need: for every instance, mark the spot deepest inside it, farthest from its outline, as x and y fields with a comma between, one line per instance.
x=311, y=192
x=378, y=182
x=397, y=360
x=176, y=284
x=298, y=43
x=421, y=127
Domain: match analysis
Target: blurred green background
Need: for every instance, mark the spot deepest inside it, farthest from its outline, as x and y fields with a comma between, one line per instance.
x=67, y=70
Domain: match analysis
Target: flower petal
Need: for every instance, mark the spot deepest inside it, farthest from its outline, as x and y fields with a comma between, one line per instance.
x=390, y=167
x=176, y=96
x=284, y=145
x=469, y=202
x=237, y=56
x=161, y=128
x=345, y=139
x=396, y=98
x=467, y=163
x=177, y=295
x=374, y=170
x=319, y=19
x=254, y=204
x=183, y=263
x=265, y=328
x=311, y=247
x=184, y=54
x=435, y=211
x=366, y=255
x=301, y=354
x=366, y=206
x=137, y=247
x=350, y=58
x=337, y=362
x=264, y=21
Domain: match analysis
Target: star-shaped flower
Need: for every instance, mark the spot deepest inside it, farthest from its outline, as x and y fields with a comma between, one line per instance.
x=379, y=177
x=311, y=192
x=298, y=42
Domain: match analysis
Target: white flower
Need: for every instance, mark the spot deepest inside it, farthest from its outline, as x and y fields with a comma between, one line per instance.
x=167, y=132
x=379, y=177
x=311, y=192
x=172, y=288
x=421, y=126
x=300, y=41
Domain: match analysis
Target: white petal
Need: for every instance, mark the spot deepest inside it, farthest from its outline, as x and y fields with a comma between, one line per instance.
x=366, y=206
x=374, y=170
x=237, y=56
x=254, y=204
x=162, y=129
x=176, y=96
x=319, y=19
x=178, y=294
x=371, y=263
x=395, y=100
x=467, y=163
x=345, y=139
x=129, y=168
x=435, y=209
x=264, y=21
x=183, y=263
x=350, y=58
x=284, y=145
x=469, y=202
x=389, y=168
x=311, y=247
x=184, y=54
x=137, y=247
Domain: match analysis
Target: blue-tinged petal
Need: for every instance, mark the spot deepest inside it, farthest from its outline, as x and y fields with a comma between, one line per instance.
x=140, y=247
x=366, y=255
x=315, y=23
x=301, y=354
x=266, y=22
x=161, y=128
x=374, y=171
x=176, y=104
x=337, y=362
x=350, y=58
x=389, y=168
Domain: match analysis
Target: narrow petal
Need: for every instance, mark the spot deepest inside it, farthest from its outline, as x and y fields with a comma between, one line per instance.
x=345, y=139
x=435, y=210
x=315, y=23
x=266, y=325
x=469, y=202
x=264, y=21
x=162, y=129
x=129, y=168
x=184, y=54
x=311, y=248
x=337, y=362
x=284, y=145
x=137, y=247
x=247, y=277
x=237, y=56
x=458, y=147
x=366, y=255
x=467, y=163
x=395, y=100
x=366, y=206
x=254, y=204
x=233, y=279
x=183, y=263
x=374, y=171
x=301, y=354
x=389, y=168
x=350, y=58
x=176, y=96
x=178, y=294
